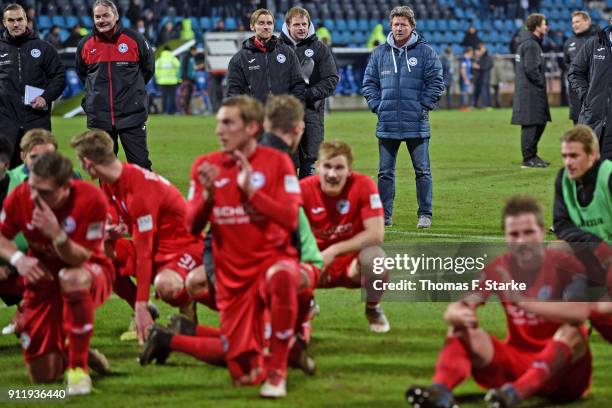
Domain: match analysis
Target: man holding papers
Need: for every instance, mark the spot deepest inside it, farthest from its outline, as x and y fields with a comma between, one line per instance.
x=31, y=78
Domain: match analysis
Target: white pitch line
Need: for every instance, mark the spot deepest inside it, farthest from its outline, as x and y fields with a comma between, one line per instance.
x=442, y=235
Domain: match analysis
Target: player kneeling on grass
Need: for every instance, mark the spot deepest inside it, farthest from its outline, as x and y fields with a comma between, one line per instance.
x=546, y=352
x=65, y=271
x=154, y=212
x=346, y=216
x=250, y=196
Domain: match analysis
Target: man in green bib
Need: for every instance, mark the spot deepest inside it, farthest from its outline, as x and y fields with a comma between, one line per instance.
x=583, y=212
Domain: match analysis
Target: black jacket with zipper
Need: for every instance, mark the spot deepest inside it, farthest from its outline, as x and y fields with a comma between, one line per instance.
x=258, y=74
x=28, y=60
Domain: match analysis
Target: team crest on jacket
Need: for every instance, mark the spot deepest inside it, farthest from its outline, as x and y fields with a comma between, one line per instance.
x=343, y=206
x=412, y=61
x=281, y=58
x=123, y=48
x=309, y=53
x=35, y=53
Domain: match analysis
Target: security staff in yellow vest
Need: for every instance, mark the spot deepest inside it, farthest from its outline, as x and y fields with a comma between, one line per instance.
x=583, y=214
x=167, y=77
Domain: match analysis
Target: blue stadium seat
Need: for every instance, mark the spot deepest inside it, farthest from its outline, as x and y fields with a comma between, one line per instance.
x=453, y=25
x=125, y=22
x=363, y=25
x=58, y=21
x=206, y=23
x=442, y=25
x=87, y=21
x=352, y=25
x=71, y=21
x=341, y=25
x=231, y=24
x=64, y=34
x=44, y=22
x=459, y=13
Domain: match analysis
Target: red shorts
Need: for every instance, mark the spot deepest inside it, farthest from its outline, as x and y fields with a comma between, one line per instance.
x=338, y=272
x=41, y=323
x=244, y=321
x=509, y=363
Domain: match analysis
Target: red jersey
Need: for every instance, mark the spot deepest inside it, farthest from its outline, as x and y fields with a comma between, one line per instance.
x=154, y=211
x=526, y=330
x=83, y=218
x=246, y=238
x=336, y=219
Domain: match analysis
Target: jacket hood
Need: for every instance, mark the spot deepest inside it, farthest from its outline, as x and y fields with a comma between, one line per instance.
x=28, y=35
x=309, y=37
x=526, y=36
x=604, y=35
x=248, y=44
x=412, y=41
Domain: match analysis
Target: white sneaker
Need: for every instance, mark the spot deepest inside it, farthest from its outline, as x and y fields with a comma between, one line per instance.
x=377, y=320
x=8, y=329
x=79, y=382
x=275, y=386
x=424, y=222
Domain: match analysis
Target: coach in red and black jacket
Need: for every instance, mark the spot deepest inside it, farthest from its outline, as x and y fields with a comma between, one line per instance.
x=115, y=64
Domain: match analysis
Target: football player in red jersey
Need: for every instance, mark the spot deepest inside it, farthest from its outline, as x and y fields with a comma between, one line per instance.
x=66, y=272
x=154, y=212
x=346, y=217
x=250, y=196
x=546, y=352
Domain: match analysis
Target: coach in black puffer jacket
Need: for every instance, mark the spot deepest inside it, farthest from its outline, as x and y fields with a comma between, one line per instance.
x=321, y=75
x=27, y=60
x=590, y=76
x=264, y=65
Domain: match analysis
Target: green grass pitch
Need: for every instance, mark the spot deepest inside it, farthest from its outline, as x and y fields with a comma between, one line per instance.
x=475, y=166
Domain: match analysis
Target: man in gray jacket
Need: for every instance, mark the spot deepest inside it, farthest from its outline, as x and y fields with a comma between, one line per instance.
x=321, y=76
x=530, y=107
x=402, y=83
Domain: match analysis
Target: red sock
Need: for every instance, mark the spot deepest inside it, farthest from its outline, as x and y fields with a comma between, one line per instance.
x=207, y=349
x=453, y=365
x=555, y=357
x=125, y=289
x=79, y=313
x=303, y=314
x=207, y=331
x=283, y=313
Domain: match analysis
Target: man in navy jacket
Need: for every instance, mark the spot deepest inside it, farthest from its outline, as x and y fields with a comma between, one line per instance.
x=402, y=83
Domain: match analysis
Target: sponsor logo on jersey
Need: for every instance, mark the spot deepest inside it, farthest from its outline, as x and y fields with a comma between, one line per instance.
x=599, y=57
x=145, y=223
x=258, y=179
x=281, y=58
x=317, y=210
x=123, y=48
x=375, y=202
x=3, y=55
x=254, y=67
x=221, y=182
x=69, y=225
x=95, y=230
x=252, y=60
x=292, y=185
x=35, y=53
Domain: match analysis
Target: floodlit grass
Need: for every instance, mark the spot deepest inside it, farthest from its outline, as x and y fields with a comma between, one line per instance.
x=475, y=165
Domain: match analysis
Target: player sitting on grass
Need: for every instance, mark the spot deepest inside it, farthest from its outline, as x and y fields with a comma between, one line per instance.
x=284, y=124
x=154, y=212
x=546, y=352
x=65, y=272
x=346, y=216
x=250, y=196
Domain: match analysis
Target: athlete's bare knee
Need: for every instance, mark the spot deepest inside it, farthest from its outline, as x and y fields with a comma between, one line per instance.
x=73, y=279
x=168, y=284
x=279, y=268
x=197, y=281
x=368, y=255
x=46, y=368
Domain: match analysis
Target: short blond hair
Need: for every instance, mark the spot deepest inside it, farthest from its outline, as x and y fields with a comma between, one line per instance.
x=583, y=14
x=295, y=12
x=585, y=136
x=95, y=145
x=36, y=137
x=284, y=112
x=250, y=109
x=334, y=148
x=260, y=12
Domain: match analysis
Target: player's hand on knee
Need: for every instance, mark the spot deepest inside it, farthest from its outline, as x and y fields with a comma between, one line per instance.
x=329, y=254
x=143, y=321
x=29, y=267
